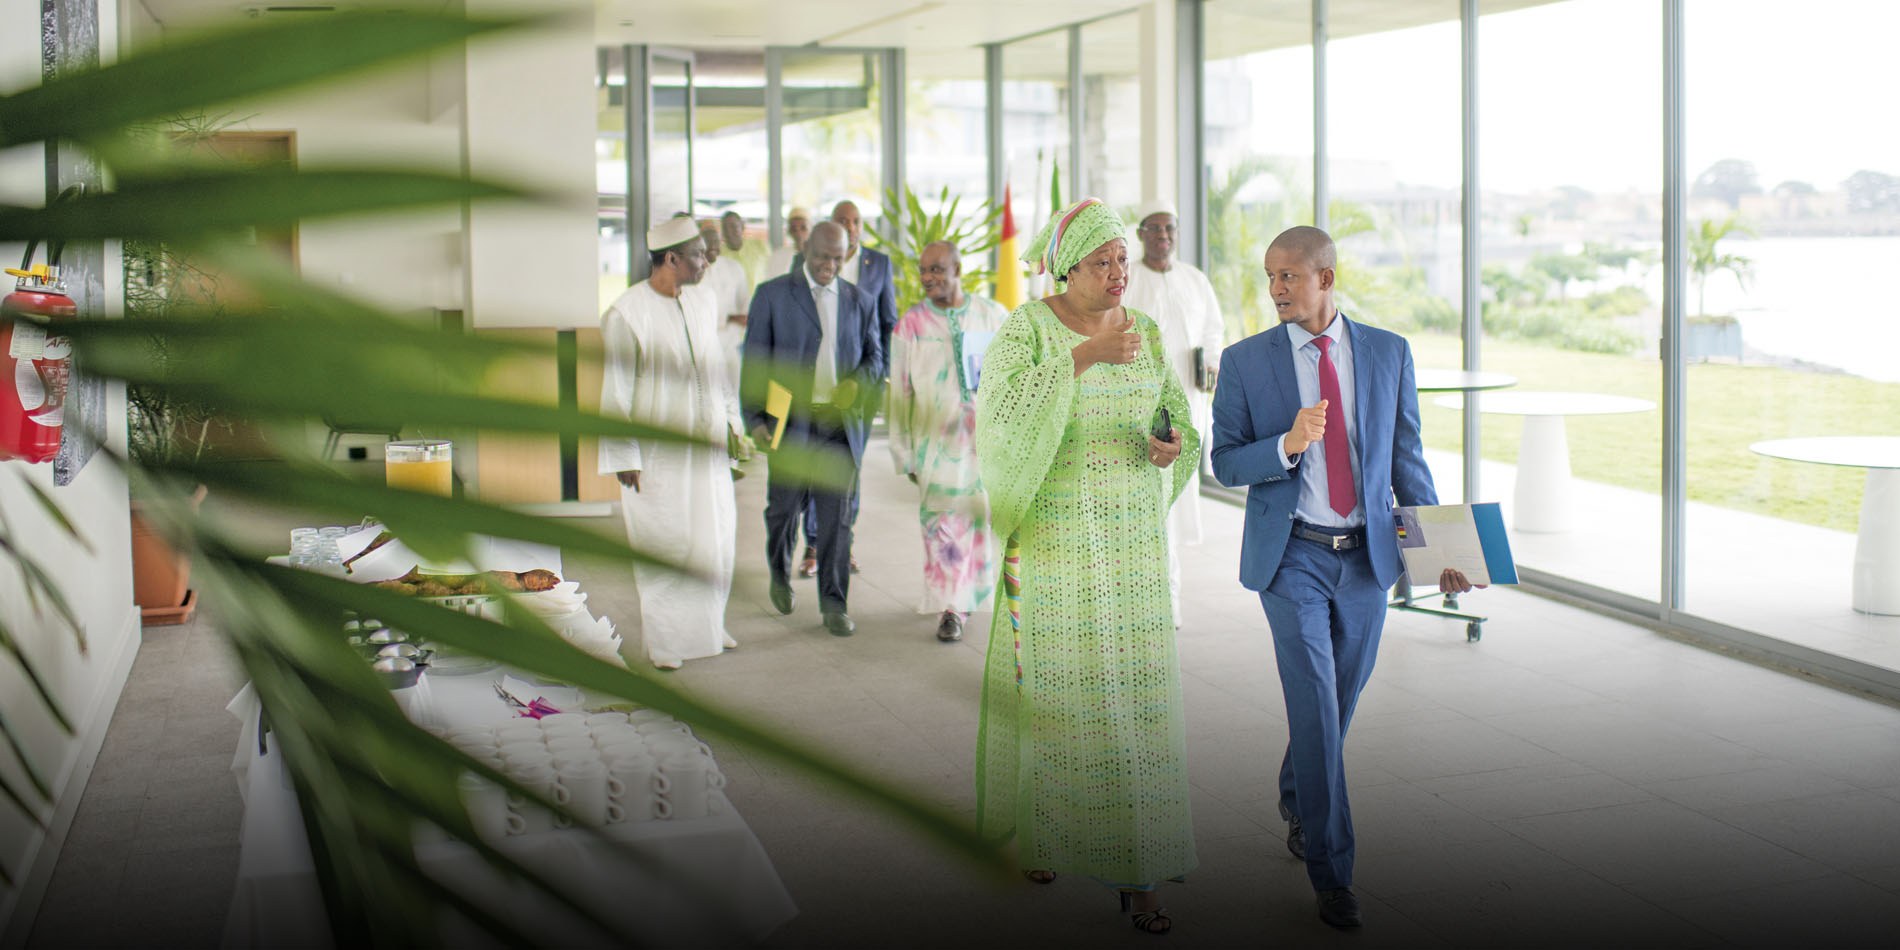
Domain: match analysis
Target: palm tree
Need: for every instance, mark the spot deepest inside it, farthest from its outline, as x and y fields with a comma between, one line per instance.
x=365, y=777
x=1705, y=261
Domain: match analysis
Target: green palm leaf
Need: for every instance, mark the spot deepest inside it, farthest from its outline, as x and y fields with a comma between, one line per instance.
x=154, y=84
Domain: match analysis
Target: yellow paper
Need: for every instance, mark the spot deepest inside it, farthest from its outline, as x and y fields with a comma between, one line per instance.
x=778, y=405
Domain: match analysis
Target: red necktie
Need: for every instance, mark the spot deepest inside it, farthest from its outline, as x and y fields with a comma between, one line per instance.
x=1339, y=486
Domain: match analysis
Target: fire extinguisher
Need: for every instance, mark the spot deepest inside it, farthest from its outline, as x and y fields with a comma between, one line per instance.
x=38, y=366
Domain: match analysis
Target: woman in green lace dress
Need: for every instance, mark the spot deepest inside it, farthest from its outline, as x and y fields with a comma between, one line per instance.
x=1081, y=758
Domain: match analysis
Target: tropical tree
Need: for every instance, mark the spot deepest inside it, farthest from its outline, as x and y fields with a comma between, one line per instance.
x=1705, y=259
x=974, y=235
x=365, y=777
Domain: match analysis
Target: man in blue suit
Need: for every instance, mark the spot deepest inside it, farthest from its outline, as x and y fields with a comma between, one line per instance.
x=815, y=335
x=870, y=272
x=1318, y=417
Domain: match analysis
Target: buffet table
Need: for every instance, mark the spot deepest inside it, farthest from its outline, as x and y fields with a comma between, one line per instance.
x=695, y=882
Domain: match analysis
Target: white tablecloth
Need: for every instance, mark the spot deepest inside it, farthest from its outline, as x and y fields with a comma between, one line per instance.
x=699, y=882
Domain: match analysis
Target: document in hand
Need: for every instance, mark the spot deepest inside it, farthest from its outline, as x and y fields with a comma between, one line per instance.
x=975, y=344
x=778, y=405
x=1468, y=538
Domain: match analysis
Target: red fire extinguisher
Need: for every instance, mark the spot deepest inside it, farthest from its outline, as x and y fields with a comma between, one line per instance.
x=38, y=364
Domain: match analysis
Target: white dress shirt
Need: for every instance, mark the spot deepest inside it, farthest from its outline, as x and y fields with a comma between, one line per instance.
x=1315, y=505
x=825, y=373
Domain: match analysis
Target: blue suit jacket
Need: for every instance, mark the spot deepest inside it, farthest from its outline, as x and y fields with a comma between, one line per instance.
x=874, y=278
x=1255, y=403
x=781, y=345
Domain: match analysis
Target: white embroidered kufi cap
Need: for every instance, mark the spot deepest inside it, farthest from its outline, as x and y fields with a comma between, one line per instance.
x=799, y=212
x=671, y=232
x=1152, y=208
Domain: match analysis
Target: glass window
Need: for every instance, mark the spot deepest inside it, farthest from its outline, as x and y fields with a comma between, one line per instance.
x=1111, y=113
x=1036, y=132
x=944, y=113
x=1259, y=145
x=947, y=153
x=1395, y=167
x=833, y=135
x=729, y=150
x=1571, y=178
x=1792, y=329
x=670, y=158
x=610, y=171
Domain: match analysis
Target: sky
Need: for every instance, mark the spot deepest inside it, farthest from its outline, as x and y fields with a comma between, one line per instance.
x=1570, y=93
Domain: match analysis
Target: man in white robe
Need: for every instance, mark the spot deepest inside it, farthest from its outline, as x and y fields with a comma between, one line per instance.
x=665, y=365
x=1181, y=301
x=731, y=288
x=797, y=229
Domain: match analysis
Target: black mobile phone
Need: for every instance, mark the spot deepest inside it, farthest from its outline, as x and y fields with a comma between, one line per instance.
x=1162, y=428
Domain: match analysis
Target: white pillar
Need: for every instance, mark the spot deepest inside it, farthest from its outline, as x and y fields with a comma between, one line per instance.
x=1159, y=133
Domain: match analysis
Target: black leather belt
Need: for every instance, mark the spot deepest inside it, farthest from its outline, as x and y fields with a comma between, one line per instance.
x=1335, y=538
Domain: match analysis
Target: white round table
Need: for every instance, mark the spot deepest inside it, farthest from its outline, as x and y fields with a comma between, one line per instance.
x=1543, y=501
x=1459, y=381
x=1877, y=545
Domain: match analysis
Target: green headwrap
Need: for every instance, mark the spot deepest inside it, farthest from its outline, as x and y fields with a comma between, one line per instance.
x=1074, y=234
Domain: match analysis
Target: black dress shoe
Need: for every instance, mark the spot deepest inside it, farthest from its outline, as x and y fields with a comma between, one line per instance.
x=782, y=597
x=1295, y=834
x=949, y=627
x=839, y=623
x=1339, y=908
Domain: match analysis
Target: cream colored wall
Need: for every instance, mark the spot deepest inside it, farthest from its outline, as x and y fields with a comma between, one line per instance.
x=406, y=261
x=529, y=119
x=96, y=576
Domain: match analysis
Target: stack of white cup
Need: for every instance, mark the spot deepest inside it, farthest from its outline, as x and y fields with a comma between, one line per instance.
x=604, y=768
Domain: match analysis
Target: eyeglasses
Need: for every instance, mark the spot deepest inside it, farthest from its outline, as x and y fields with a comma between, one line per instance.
x=1160, y=228
x=934, y=271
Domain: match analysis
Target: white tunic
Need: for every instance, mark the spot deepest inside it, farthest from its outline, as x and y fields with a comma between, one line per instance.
x=665, y=365
x=780, y=263
x=731, y=288
x=1181, y=302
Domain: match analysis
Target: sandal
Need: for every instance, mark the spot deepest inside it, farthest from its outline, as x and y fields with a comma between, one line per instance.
x=1040, y=876
x=1154, y=921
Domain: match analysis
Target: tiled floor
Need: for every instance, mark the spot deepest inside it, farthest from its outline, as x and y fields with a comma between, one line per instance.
x=1568, y=781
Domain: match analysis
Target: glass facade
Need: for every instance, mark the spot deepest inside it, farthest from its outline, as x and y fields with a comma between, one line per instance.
x=1111, y=113
x=1258, y=144
x=610, y=172
x=1791, y=328
x=1036, y=129
x=1780, y=341
x=1570, y=237
x=833, y=137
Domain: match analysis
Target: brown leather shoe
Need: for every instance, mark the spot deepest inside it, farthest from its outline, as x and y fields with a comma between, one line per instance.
x=854, y=565
x=809, y=566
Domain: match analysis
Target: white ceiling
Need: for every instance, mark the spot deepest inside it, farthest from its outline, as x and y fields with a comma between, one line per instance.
x=921, y=26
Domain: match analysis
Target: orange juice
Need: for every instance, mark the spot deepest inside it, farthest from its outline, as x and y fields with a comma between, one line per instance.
x=420, y=465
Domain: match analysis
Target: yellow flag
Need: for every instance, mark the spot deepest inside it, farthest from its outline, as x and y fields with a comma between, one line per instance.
x=1009, y=270
x=778, y=405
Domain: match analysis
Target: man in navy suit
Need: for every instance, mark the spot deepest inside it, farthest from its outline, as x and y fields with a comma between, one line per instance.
x=870, y=272
x=815, y=335
x=1318, y=417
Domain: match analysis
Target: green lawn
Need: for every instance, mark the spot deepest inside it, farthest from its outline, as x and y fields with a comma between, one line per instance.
x=1728, y=408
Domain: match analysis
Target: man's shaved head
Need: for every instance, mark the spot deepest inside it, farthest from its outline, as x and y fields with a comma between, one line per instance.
x=1311, y=244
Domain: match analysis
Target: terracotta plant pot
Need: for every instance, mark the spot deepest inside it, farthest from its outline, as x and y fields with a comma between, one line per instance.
x=161, y=575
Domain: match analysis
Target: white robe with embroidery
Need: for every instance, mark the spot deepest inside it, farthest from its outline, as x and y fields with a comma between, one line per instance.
x=665, y=365
x=1182, y=303
x=731, y=288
